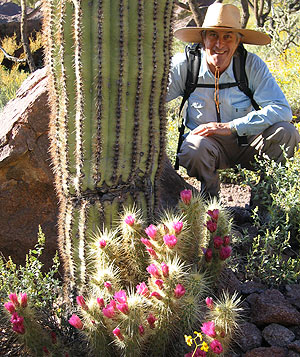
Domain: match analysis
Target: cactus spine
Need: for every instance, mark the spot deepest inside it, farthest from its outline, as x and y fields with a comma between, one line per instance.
x=108, y=65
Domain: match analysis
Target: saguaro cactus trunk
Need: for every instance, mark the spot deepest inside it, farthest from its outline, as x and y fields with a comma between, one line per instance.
x=108, y=64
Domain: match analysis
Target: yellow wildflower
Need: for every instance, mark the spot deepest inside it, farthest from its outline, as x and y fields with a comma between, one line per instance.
x=204, y=346
x=188, y=340
x=198, y=334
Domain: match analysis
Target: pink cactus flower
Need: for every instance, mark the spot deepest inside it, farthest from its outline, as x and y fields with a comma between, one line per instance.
x=225, y=252
x=141, y=330
x=18, y=323
x=23, y=300
x=102, y=243
x=10, y=307
x=209, y=303
x=146, y=242
x=152, y=252
x=129, y=220
x=226, y=240
x=108, y=285
x=216, y=347
x=151, y=231
x=179, y=291
x=117, y=333
x=109, y=311
x=142, y=289
x=165, y=269
x=209, y=328
x=121, y=296
x=177, y=226
x=152, y=270
x=151, y=320
x=156, y=295
x=211, y=226
x=208, y=255
x=76, y=322
x=14, y=299
x=218, y=242
x=214, y=214
x=112, y=303
x=170, y=240
x=159, y=283
x=186, y=196
x=100, y=302
x=80, y=301
x=123, y=308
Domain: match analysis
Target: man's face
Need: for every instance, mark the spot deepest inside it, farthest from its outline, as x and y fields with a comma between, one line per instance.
x=220, y=47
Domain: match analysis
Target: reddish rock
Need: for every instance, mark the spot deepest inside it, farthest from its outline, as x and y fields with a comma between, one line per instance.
x=267, y=352
x=272, y=307
x=27, y=196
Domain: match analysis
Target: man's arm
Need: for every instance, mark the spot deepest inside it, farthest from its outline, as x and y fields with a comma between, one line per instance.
x=268, y=95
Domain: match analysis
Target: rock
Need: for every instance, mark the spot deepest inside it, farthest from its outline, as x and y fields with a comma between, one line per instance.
x=27, y=195
x=267, y=352
x=10, y=15
x=272, y=307
x=250, y=287
x=293, y=294
x=295, y=346
x=250, y=337
x=277, y=335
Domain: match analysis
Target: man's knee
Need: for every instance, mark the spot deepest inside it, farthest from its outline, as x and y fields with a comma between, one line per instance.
x=283, y=134
x=194, y=148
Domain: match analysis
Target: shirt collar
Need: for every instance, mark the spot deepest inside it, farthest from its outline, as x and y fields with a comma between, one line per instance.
x=205, y=72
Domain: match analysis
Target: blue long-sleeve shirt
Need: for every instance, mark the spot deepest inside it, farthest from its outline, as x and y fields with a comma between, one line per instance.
x=235, y=106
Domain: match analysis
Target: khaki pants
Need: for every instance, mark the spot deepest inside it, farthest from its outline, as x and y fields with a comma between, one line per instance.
x=203, y=156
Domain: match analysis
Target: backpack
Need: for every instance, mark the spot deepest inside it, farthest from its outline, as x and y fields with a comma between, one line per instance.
x=193, y=54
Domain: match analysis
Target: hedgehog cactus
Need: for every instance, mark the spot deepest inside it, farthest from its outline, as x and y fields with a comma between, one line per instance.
x=108, y=63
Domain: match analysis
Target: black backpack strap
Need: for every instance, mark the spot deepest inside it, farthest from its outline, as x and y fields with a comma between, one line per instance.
x=193, y=56
x=240, y=75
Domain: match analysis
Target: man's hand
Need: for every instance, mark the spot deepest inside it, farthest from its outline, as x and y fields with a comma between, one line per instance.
x=212, y=129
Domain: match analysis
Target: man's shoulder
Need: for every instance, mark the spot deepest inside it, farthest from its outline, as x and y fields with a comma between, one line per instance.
x=254, y=60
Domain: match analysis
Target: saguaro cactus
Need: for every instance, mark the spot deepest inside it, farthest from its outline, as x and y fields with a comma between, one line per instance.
x=108, y=64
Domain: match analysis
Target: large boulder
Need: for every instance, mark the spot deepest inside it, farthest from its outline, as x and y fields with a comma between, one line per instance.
x=27, y=195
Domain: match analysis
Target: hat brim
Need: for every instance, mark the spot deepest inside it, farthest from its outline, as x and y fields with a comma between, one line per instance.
x=193, y=35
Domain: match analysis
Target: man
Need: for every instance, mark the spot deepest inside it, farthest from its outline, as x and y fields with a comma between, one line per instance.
x=216, y=117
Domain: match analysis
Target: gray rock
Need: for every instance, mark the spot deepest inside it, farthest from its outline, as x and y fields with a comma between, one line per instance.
x=277, y=335
x=250, y=287
x=267, y=352
x=250, y=337
x=293, y=294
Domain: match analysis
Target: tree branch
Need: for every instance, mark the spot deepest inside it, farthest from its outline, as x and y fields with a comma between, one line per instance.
x=182, y=5
x=12, y=58
x=25, y=38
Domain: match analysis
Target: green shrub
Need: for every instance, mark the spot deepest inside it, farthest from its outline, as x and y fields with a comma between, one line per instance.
x=273, y=251
x=42, y=287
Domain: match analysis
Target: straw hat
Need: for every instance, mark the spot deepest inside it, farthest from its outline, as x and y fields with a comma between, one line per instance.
x=224, y=17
